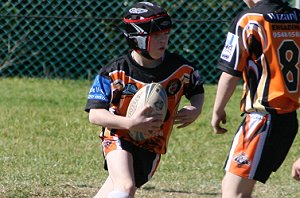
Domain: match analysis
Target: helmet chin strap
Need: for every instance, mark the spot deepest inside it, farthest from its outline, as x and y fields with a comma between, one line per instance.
x=146, y=54
x=142, y=59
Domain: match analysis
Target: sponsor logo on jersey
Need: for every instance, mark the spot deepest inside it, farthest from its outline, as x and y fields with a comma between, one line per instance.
x=229, y=48
x=98, y=92
x=285, y=27
x=286, y=34
x=280, y=17
x=96, y=97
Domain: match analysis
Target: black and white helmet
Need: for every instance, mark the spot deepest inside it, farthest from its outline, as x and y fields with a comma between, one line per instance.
x=140, y=21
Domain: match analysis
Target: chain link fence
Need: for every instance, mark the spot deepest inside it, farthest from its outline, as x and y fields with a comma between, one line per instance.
x=73, y=39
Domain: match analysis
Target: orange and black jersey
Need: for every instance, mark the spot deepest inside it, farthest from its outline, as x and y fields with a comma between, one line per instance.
x=263, y=47
x=117, y=82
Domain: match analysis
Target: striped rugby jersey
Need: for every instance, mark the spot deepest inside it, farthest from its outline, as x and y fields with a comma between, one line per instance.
x=117, y=82
x=263, y=47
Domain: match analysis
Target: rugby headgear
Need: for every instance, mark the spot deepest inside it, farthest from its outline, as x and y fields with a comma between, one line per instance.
x=140, y=21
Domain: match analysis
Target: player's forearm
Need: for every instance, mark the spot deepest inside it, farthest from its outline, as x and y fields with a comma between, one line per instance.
x=226, y=87
x=104, y=118
x=197, y=101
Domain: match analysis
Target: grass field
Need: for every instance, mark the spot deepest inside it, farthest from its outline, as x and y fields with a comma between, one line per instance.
x=49, y=149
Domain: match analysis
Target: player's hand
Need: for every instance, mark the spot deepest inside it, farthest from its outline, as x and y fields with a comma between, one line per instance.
x=186, y=116
x=144, y=120
x=217, y=118
x=296, y=170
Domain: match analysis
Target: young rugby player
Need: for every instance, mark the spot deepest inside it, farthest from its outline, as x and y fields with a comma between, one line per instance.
x=262, y=48
x=130, y=163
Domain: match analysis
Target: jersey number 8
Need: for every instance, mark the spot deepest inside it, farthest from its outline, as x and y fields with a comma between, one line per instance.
x=289, y=59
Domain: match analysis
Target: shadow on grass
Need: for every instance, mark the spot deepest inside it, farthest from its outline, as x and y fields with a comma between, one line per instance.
x=148, y=188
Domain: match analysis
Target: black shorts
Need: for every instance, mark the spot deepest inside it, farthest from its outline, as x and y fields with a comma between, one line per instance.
x=145, y=162
x=261, y=144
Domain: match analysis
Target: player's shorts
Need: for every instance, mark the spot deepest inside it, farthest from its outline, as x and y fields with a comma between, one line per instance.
x=261, y=145
x=145, y=162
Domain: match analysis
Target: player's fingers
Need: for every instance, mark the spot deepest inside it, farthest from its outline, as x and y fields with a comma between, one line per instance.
x=223, y=120
x=158, y=116
x=183, y=125
x=219, y=130
x=147, y=110
x=222, y=131
x=155, y=126
x=180, y=123
x=296, y=174
x=176, y=122
x=157, y=121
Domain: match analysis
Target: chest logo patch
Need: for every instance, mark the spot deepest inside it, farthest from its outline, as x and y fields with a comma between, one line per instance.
x=173, y=87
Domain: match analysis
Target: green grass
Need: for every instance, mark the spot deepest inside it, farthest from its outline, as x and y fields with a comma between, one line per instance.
x=49, y=149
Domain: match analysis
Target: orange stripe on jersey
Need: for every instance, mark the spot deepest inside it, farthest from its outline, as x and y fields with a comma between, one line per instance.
x=247, y=146
x=270, y=53
x=121, y=75
x=176, y=82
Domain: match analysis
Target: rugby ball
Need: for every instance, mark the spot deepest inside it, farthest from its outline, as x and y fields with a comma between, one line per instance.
x=154, y=95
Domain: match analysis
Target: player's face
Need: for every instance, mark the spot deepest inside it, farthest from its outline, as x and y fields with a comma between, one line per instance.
x=158, y=44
